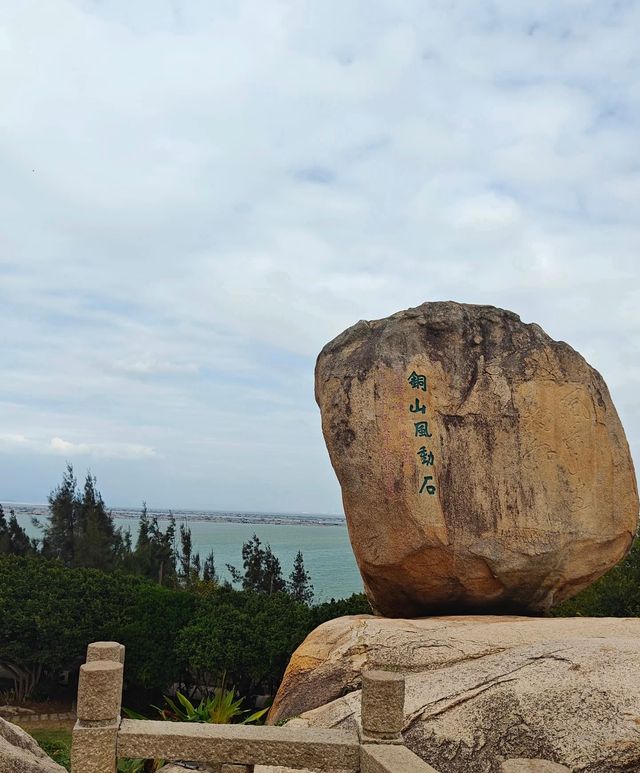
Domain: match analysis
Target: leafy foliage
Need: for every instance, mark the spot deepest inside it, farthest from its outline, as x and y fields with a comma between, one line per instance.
x=262, y=570
x=154, y=556
x=179, y=625
x=13, y=538
x=48, y=615
x=356, y=604
x=615, y=594
x=221, y=708
x=79, y=530
x=300, y=586
x=246, y=635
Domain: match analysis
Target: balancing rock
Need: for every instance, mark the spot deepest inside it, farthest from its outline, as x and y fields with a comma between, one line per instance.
x=483, y=465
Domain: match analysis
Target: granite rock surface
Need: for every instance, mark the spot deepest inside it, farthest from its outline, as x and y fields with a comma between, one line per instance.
x=483, y=690
x=483, y=465
x=19, y=753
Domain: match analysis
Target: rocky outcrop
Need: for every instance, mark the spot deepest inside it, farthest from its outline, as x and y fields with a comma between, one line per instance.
x=19, y=753
x=483, y=465
x=483, y=690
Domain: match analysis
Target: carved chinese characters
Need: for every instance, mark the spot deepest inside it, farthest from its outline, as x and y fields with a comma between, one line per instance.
x=422, y=431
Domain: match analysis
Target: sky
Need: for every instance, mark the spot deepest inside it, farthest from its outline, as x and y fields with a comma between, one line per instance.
x=196, y=196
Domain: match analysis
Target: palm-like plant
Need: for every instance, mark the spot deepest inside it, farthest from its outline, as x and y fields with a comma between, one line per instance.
x=222, y=708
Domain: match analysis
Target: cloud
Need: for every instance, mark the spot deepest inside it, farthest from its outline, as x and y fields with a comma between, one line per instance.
x=114, y=450
x=74, y=450
x=198, y=196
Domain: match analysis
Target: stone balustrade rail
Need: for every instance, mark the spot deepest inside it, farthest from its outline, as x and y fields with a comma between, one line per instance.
x=100, y=736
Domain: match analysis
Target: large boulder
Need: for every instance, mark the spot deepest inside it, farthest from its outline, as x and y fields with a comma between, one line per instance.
x=19, y=753
x=483, y=465
x=482, y=690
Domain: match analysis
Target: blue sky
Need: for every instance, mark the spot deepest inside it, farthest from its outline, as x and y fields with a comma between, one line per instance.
x=196, y=196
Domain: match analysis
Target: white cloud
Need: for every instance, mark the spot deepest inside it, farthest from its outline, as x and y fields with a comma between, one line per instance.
x=197, y=196
x=73, y=450
x=115, y=450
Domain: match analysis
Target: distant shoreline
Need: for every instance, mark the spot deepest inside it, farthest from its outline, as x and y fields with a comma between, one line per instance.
x=197, y=516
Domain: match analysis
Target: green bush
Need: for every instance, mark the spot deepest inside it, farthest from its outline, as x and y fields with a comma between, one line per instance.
x=615, y=594
x=246, y=635
x=49, y=613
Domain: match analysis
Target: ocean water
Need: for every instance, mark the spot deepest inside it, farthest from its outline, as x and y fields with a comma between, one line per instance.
x=323, y=540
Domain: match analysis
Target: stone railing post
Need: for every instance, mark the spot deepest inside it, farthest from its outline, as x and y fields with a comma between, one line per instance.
x=105, y=650
x=98, y=714
x=382, y=707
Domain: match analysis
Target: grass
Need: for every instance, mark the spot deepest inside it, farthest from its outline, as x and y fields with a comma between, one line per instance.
x=56, y=743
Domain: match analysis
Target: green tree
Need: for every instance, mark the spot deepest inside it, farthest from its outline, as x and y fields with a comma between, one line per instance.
x=79, y=530
x=49, y=613
x=13, y=538
x=262, y=570
x=356, y=604
x=190, y=564
x=300, y=587
x=5, y=539
x=245, y=636
x=154, y=555
x=209, y=569
x=60, y=530
x=615, y=594
x=98, y=544
x=163, y=557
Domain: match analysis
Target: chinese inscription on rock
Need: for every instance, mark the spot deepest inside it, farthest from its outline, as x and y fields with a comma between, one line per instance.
x=425, y=453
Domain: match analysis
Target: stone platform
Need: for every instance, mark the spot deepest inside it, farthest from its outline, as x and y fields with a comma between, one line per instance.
x=482, y=689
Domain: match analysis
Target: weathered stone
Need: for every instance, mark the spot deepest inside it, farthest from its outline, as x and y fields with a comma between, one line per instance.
x=94, y=748
x=534, y=493
x=105, y=650
x=19, y=753
x=532, y=766
x=391, y=759
x=296, y=747
x=332, y=658
x=99, y=690
x=382, y=704
x=483, y=690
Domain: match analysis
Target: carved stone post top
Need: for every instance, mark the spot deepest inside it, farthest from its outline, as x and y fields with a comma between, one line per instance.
x=105, y=650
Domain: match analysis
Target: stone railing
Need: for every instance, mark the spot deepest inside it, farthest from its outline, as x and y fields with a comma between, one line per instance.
x=100, y=736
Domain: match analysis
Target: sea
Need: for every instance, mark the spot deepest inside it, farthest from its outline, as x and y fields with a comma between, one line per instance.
x=323, y=540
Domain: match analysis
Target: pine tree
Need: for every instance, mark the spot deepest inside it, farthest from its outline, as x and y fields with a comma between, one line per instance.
x=19, y=542
x=142, y=559
x=262, y=570
x=209, y=569
x=13, y=538
x=185, y=556
x=99, y=544
x=161, y=553
x=79, y=531
x=5, y=539
x=273, y=581
x=300, y=586
x=59, y=531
